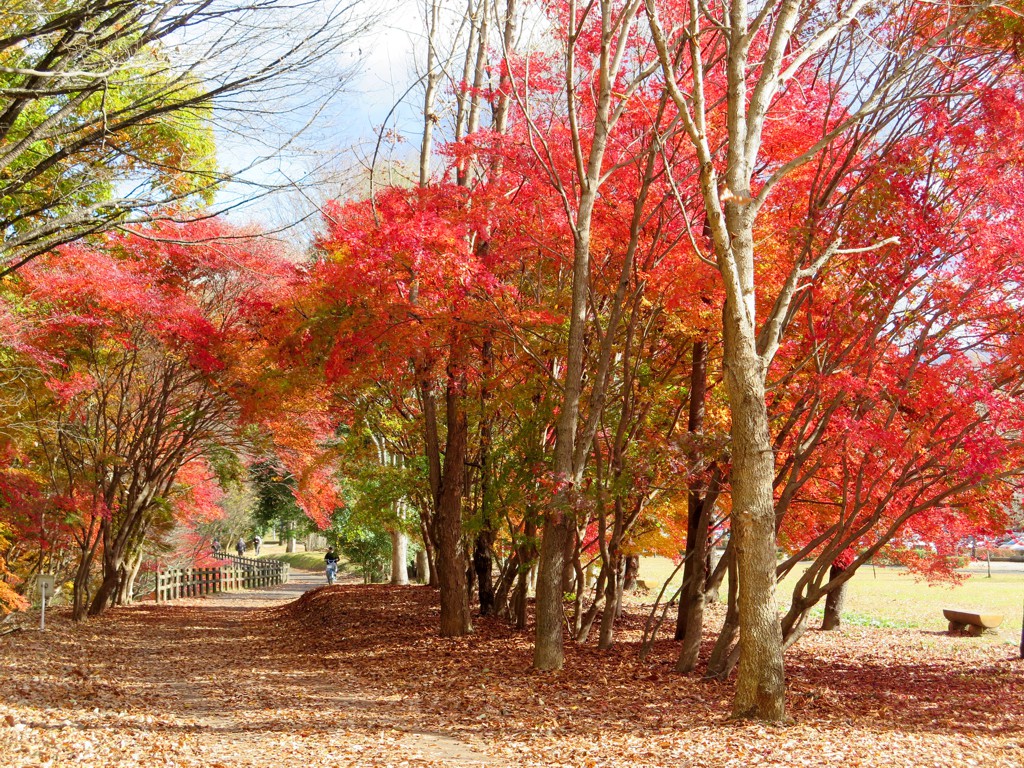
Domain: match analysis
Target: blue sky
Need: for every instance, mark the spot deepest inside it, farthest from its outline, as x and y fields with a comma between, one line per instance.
x=326, y=132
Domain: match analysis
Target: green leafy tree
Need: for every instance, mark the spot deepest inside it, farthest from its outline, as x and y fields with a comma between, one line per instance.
x=105, y=116
x=276, y=506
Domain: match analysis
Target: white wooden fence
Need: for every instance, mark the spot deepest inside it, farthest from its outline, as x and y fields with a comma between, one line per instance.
x=242, y=573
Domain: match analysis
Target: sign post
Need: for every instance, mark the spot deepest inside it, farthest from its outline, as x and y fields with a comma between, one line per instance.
x=46, y=583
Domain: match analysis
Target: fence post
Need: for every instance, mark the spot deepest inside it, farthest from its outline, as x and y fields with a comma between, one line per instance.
x=239, y=573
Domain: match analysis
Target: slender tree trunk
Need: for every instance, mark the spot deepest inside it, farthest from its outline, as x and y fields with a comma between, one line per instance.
x=81, y=588
x=519, y=599
x=399, y=557
x=526, y=551
x=632, y=573
x=133, y=576
x=694, y=624
x=483, y=567
x=113, y=559
x=430, y=549
x=470, y=578
x=580, y=586
x=834, y=601
x=718, y=575
x=572, y=448
x=595, y=608
x=612, y=592
x=730, y=627
x=126, y=584
x=695, y=506
x=482, y=560
x=504, y=588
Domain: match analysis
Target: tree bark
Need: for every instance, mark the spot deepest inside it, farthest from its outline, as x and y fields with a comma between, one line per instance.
x=760, y=686
x=632, y=573
x=572, y=445
x=694, y=613
x=107, y=590
x=548, y=652
x=695, y=506
x=81, y=589
x=482, y=566
x=718, y=571
x=612, y=595
x=720, y=653
x=834, y=601
x=595, y=608
x=451, y=564
x=422, y=567
x=399, y=557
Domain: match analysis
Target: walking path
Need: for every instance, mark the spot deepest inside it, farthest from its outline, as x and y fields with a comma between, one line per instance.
x=214, y=681
x=299, y=582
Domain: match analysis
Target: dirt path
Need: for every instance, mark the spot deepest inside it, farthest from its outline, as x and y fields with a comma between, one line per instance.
x=356, y=675
x=202, y=682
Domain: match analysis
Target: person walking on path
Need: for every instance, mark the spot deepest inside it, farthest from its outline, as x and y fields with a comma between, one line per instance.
x=256, y=542
x=240, y=547
x=331, y=558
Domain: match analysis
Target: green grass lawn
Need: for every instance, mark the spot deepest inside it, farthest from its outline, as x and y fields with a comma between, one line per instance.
x=307, y=561
x=892, y=597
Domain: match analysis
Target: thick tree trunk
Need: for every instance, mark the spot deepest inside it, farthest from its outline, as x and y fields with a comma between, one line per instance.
x=760, y=686
x=834, y=601
x=399, y=557
x=548, y=652
x=451, y=564
x=422, y=567
x=107, y=590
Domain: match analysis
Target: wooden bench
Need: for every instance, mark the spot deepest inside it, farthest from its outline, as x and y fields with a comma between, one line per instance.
x=973, y=621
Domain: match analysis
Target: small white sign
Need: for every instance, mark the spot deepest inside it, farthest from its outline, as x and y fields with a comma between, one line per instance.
x=46, y=583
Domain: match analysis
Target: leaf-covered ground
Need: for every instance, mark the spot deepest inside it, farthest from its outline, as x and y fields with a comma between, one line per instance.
x=353, y=675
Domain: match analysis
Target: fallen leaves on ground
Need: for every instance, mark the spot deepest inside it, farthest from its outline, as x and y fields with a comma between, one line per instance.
x=355, y=675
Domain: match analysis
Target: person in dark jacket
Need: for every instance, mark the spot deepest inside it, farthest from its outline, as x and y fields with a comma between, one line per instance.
x=331, y=558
